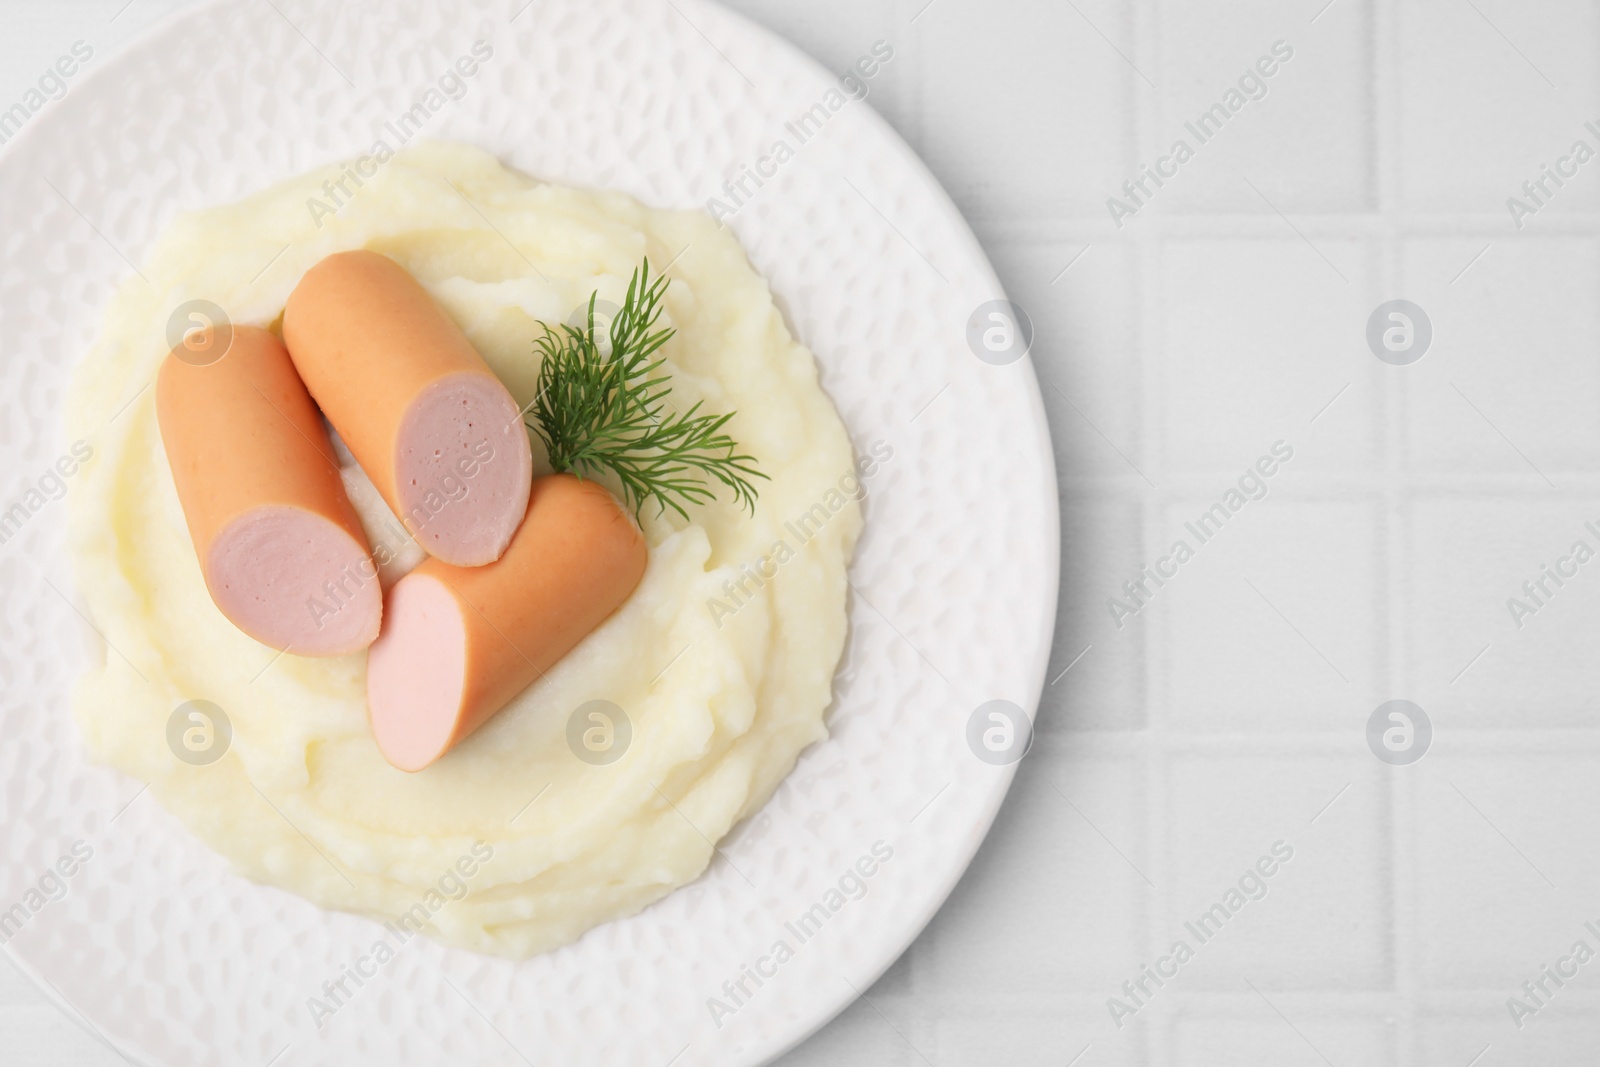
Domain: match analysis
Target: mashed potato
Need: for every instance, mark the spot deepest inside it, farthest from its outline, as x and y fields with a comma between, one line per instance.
x=722, y=661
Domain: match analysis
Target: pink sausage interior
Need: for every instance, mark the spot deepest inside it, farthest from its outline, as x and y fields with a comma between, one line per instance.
x=416, y=673
x=463, y=469
x=294, y=580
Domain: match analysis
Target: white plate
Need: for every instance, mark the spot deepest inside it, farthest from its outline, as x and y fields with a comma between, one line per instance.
x=162, y=951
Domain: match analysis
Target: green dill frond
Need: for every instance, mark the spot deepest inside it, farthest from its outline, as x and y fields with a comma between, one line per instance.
x=599, y=411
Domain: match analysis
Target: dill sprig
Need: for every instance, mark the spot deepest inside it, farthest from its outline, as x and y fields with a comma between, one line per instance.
x=608, y=412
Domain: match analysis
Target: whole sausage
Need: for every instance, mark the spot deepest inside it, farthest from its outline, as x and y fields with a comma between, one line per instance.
x=431, y=425
x=459, y=643
x=282, y=551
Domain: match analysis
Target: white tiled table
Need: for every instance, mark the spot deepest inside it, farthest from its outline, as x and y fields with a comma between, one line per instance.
x=1230, y=713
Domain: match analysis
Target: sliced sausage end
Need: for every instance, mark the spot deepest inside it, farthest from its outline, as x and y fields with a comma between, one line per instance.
x=416, y=673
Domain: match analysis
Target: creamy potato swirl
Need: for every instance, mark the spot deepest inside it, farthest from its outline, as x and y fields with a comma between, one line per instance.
x=724, y=677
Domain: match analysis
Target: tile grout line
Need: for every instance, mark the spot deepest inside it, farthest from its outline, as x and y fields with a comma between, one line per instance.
x=1159, y=840
x=1260, y=740
x=1143, y=26
x=1400, y=828
x=1200, y=224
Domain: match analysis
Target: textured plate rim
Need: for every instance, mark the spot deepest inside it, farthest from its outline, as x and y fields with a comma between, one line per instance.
x=935, y=900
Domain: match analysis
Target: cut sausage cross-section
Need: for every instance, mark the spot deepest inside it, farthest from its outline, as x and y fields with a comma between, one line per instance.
x=460, y=642
x=281, y=548
x=435, y=430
